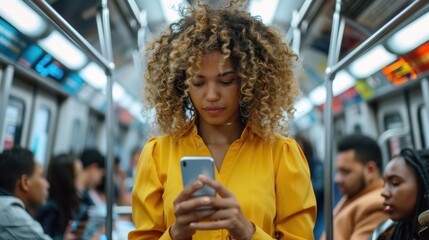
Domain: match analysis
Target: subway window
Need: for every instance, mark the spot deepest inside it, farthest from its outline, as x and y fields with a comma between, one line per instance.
x=40, y=133
x=14, y=119
x=395, y=144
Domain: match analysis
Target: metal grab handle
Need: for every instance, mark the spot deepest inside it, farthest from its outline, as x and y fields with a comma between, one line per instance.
x=388, y=134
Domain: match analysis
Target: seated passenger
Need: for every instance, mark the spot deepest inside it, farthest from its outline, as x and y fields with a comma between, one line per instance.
x=65, y=178
x=23, y=189
x=93, y=171
x=119, y=189
x=358, y=176
x=135, y=156
x=406, y=194
x=120, y=176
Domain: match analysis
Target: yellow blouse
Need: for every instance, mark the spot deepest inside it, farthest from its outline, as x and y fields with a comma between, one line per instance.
x=270, y=180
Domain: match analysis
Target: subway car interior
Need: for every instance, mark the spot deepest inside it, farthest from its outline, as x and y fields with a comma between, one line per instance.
x=71, y=78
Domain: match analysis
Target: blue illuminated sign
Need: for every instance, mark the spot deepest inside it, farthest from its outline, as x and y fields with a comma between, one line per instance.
x=18, y=48
x=12, y=42
x=73, y=83
x=34, y=57
x=31, y=55
x=47, y=66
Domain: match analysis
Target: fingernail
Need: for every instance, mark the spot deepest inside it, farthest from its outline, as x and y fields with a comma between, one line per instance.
x=205, y=200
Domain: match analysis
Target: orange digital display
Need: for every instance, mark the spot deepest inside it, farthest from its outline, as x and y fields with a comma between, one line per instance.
x=419, y=58
x=399, y=72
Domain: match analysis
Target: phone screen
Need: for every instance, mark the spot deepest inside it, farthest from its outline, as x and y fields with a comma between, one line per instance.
x=192, y=167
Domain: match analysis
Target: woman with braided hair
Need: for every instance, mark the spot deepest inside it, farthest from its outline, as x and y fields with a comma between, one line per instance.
x=222, y=85
x=406, y=192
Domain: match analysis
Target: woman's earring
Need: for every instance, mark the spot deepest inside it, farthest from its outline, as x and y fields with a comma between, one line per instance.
x=244, y=109
x=189, y=108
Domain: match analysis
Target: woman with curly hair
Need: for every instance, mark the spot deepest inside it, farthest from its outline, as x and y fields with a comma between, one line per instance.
x=222, y=84
x=406, y=194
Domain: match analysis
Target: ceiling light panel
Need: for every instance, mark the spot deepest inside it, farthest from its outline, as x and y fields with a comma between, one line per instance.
x=22, y=17
x=63, y=50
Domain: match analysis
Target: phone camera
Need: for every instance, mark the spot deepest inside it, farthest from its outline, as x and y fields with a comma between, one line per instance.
x=184, y=164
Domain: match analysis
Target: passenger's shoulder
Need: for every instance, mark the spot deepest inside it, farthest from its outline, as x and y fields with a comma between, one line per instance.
x=373, y=201
x=283, y=138
x=7, y=202
x=159, y=139
x=14, y=214
x=158, y=145
x=373, y=196
x=155, y=141
x=284, y=141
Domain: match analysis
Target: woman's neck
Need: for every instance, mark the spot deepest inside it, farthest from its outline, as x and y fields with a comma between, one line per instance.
x=224, y=134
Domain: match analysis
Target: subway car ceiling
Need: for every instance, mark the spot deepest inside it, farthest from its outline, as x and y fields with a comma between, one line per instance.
x=36, y=47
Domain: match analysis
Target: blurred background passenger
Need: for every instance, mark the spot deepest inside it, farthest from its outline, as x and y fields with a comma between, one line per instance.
x=360, y=210
x=119, y=190
x=94, y=170
x=23, y=189
x=93, y=163
x=406, y=193
x=135, y=155
x=316, y=172
x=65, y=175
x=95, y=228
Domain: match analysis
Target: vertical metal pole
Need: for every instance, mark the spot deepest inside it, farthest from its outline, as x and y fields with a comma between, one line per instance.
x=425, y=91
x=5, y=85
x=296, y=39
x=334, y=50
x=103, y=23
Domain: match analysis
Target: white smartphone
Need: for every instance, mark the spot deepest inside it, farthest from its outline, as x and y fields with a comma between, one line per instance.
x=194, y=166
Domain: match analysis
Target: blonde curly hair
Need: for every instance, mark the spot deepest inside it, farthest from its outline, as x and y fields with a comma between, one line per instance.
x=263, y=62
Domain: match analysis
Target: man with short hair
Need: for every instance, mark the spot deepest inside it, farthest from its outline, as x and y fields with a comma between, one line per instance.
x=23, y=189
x=93, y=163
x=360, y=210
x=93, y=171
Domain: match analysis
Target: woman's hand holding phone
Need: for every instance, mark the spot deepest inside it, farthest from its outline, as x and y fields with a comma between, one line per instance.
x=185, y=210
x=224, y=214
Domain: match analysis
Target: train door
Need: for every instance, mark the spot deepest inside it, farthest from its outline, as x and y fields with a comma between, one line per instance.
x=30, y=119
x=360, y=119
x=18, y=115
x=43, y=122
x=339, y=126
x=95, y=131
x=394, y=125
x=72, y=126
x=419, y=119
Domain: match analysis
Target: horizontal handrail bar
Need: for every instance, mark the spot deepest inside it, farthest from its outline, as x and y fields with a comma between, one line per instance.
x=44, y=8
x=376, y=37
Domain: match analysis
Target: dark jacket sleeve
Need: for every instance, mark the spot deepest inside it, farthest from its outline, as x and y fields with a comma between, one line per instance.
x=48, y=217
